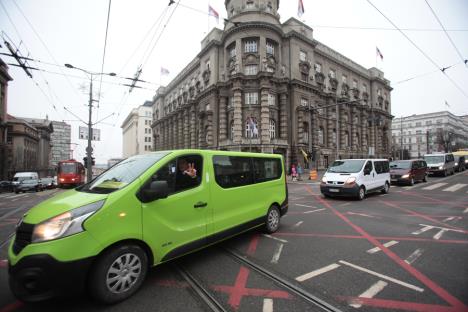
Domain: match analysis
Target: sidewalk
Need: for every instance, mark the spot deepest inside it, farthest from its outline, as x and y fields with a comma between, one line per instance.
x=305, y=178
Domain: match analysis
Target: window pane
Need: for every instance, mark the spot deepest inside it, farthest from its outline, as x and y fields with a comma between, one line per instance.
x=232, y=171
x=266, y=169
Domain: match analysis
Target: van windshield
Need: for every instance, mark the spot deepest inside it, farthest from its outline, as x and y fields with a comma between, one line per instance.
x=400, y=165
x=347, y=166
x=434, y=159
x=19, y=179
x=121, y=174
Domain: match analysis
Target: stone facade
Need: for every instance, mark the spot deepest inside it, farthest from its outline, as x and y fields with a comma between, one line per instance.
x=4, y=148
x=259, y=85
x=60, y=140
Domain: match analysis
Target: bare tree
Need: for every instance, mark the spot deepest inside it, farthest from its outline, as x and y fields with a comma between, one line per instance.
x=445, y=138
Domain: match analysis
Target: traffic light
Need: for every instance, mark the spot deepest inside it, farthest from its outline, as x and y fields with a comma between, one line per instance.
x=85, y=161
x=92, y=161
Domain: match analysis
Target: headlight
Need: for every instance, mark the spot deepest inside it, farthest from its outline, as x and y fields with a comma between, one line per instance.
x=405, y=176
x=456, y=164
x=62, y=179
x=65, y=224
x=440, y=168
x=350, y=180
x=324, y=180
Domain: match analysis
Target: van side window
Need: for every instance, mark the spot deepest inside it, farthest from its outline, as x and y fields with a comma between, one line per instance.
x=266, y=169
x=232, y=171
x=378, y=167
x=179, y=175
x=385, y=167
x=368, y=166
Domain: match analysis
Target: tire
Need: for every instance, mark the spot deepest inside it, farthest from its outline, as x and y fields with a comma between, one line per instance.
x=387, y=188
x=361, y=193
x=272, y=220
x=106, y=286
x=16, y=192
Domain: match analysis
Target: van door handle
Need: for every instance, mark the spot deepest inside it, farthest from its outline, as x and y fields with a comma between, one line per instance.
x=200, y=205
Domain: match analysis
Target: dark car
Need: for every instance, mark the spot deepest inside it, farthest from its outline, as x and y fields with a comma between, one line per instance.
x=48, y=183
x=6, y=186
x=408, y=171
x=29, y=185
x=460, y=163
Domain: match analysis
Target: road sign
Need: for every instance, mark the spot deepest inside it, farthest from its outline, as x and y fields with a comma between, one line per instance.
x=96, y=134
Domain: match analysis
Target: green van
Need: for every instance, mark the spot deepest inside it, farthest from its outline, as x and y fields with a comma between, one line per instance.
x=143, y=211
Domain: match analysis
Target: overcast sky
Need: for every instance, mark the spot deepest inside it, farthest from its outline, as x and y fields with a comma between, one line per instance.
x=73, y=32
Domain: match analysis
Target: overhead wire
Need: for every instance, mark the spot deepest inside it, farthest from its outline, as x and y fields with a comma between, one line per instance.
x=446, y=33
x=420, y=50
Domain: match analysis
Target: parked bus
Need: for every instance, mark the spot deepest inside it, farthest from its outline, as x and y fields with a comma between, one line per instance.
x=70, y=173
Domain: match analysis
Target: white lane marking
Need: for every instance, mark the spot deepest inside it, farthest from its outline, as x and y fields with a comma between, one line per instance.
x=370, y=293
x=15, y=196
x=414, y=256
x=317, y=272
x=295, y=198
x=360, y=214
x=310, y=211
x=275, y=238
x=385, y=277
x=345, y=204
x=305, y=206
x=442, y=228
x=448, y=219
x=424, y=229
x=440, y=233
x=298, y=223
x=377, y=249
x=434, y=186
x=454, y=188
x=466, y=209
x=267, y=305
x=277, y=253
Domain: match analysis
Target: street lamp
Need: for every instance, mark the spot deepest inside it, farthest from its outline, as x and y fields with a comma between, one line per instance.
x=89, y=149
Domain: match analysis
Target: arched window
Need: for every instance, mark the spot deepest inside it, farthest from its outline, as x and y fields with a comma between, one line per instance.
x=346, y=139
x=334, y=136
x=251, y=129
x=272, y=129
x=231, y=130
x=320, y=135
x=305, y=131
x=357, y=139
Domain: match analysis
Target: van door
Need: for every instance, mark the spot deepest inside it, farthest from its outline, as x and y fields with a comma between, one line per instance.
x=368, y=179
x=177, y=224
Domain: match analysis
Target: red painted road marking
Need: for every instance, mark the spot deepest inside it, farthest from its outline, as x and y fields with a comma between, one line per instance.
x=3, y=263
x=456, y=303
x=253, y=245
x=415, y=239
x=12, y=306
x=425, y=217
x=400, y=305
x=239, y=290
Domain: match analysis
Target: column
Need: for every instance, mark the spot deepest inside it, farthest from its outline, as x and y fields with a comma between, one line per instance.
x=264, y=116
x=209, y=126
x=180, y=130
x=193, y=143
x=238, y=122
x=283, y=127
x=222, y=118
x=186, y=129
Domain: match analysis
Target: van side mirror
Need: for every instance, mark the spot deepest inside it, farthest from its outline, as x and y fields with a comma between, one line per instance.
x=156, y=190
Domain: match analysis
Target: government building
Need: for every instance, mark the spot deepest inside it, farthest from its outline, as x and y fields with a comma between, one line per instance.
x=264, y=86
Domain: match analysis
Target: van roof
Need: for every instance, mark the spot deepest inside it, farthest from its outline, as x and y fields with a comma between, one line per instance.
x=216, y=152
x=24, y=174
x=379, y=159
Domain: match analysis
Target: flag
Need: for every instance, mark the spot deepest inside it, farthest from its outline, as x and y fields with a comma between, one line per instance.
x=306, y=158
x=447, y=104
x=300, y=8
x=213, y=12
x=164, y=71
x=378, y=53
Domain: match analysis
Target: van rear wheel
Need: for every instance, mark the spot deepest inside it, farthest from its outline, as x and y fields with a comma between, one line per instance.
x=272, y=220
x=386, y=187
x=118, y=274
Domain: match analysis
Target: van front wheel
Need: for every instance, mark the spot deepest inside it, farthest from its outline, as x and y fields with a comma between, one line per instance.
x=272, y=220
x=361, y=193
x=118, y=273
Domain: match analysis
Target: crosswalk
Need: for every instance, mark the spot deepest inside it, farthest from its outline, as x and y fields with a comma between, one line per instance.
x=445, y=187
x=12, y=195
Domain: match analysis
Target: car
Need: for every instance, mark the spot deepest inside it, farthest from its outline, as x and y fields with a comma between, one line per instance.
x=144, y=211
x=356, y=178
x=440, y=163
x=48, y=183
x=29, y=185
x=460, y=163
x=6, y=186
x=21, y=176
x=408, y=171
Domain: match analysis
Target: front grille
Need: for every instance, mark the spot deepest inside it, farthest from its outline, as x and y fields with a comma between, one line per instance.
x=335, y=182
x=23, y=236
x=396, y=176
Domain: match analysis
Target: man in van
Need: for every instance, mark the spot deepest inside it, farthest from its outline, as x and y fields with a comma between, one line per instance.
x=186, y=176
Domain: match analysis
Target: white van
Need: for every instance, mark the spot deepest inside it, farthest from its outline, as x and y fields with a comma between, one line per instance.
x=21, y=176
x=443, y=163
x=356, y=177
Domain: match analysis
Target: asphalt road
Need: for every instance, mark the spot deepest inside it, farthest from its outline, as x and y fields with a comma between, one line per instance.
x=404, y=251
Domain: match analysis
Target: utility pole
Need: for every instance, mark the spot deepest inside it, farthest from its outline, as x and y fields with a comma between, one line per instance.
x=89, y=149
x=337, y=127
x=401, y=136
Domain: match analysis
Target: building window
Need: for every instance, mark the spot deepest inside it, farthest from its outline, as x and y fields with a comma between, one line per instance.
x=232, y=51
x=302, y=56
x=269, y=7
x=231, y=132
x=251, y=129
x=318, y=68
x=251, y=69
x=305, y=131
x=364, y=88
x=207, y=64
x=304, y=102
x=344, y=79
x=230, y=105
x=320, y=136
x=270, y=48
x=251, y=46
x=429, y=122
x=332, y=74
x=354, y=84
x=271, y=99
x=357, y=139
x=334, y=137
x=249, y=4
x=206, y=135
x=346, y=139
x=251, y=98
x=272, y=129
x=418, y=124
x=379, y=92
x=304, y=77
x=439, y=121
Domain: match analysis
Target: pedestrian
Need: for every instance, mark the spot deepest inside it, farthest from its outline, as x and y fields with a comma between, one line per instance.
x=300, y=171
x=294, y=173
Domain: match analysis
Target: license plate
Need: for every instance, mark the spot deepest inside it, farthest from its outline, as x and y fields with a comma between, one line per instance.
x=394, y=180
x=334, y=190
